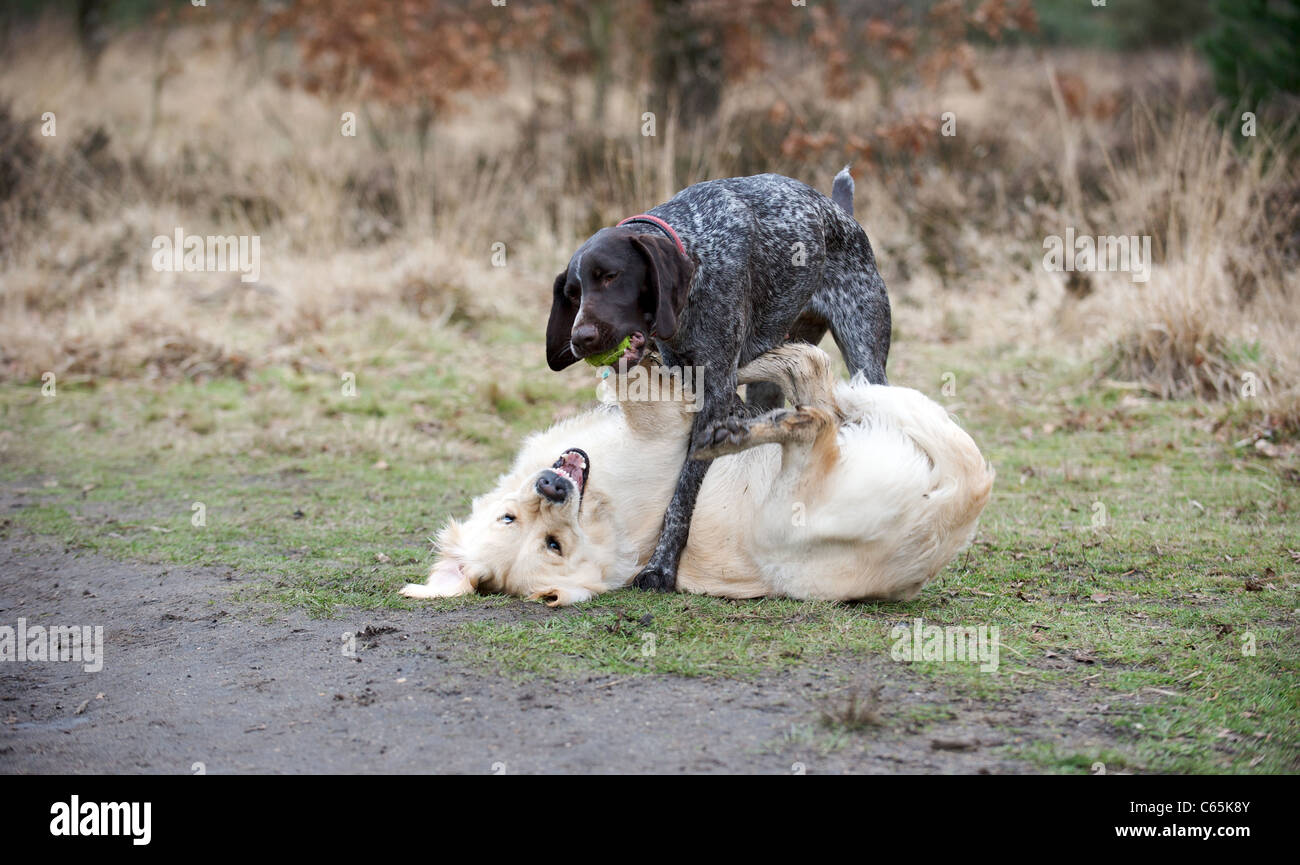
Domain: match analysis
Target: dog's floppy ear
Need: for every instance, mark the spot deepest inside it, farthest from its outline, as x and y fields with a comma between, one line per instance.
x=559, y=329
x=668, y=281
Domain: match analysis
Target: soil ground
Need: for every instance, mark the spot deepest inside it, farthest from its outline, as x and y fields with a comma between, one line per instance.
x=191, y=678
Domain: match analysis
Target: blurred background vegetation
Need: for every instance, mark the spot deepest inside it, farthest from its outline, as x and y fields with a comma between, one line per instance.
x=525, y=125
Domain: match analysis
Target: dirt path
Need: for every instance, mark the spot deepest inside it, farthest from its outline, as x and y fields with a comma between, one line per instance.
x=190, y=677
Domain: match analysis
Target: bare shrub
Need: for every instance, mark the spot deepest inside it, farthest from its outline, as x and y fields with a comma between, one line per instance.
x=856, y=707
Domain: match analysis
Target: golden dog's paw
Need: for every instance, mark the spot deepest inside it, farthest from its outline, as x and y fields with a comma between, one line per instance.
x=446, y=580
x=553, y=597
x=562, y=597
x=779, y=425
x=424, y=591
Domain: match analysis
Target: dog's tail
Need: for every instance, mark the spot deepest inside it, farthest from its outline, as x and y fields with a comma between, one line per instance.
x=842, y=190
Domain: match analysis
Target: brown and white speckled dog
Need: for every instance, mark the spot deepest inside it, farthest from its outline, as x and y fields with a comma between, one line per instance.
x=723, y=272
x=868, y=492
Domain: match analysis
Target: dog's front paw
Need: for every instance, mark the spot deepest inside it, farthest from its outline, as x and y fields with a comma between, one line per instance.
x=654, y=578
x=719, y=437
x=552, y=597
x=555, y=597
x=423, y=591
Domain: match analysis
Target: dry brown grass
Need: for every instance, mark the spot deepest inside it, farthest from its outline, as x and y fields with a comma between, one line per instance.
x=356, y=230
x=855, y=707
x=1222, y=304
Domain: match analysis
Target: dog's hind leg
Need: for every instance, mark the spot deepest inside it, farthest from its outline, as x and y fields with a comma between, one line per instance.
x=801, y=427
x=762, y=396
x=806, y=433
x=801, y=372
x=809, y=450
x=855, y=304
x=781, y=426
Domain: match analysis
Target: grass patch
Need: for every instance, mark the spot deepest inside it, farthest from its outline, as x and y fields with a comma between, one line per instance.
x=1126, y=549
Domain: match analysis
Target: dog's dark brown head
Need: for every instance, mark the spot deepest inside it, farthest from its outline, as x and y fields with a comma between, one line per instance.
x=622, y=282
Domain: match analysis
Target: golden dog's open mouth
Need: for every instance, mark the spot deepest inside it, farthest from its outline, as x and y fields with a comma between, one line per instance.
x=574, y=466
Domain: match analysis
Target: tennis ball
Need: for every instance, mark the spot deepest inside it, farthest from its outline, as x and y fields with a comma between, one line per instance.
x=610, y=357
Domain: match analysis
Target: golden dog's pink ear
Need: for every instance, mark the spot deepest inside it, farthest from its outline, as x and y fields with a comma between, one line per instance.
x=446, y=580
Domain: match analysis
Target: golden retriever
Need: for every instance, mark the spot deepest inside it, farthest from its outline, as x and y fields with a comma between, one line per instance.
x=860, y=491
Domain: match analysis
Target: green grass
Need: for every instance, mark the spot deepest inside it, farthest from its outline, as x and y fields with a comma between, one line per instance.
x=1121, y=533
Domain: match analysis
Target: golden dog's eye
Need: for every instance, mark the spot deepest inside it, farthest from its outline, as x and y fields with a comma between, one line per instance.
x=552, y=543
x=507, y=518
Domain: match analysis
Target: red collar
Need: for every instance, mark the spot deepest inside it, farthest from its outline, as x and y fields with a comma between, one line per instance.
x=654, y=220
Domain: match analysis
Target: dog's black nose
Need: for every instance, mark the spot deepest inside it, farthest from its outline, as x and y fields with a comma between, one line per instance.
x=553, y=487
x=586, y=338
